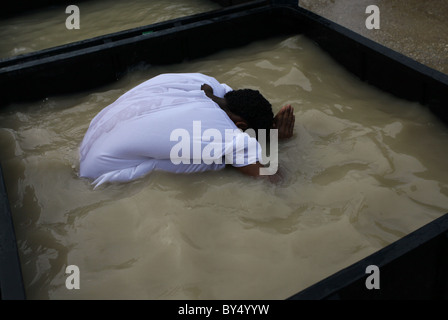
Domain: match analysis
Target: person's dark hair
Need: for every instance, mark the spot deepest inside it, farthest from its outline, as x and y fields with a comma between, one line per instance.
x=252, y=106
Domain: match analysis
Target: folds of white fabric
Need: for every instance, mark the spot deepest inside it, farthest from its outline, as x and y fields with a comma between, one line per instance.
x=132, y=136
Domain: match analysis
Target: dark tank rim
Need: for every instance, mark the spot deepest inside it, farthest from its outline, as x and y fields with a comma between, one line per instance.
x=104, y=59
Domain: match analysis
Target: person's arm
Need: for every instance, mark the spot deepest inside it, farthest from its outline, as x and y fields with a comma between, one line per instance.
x=221, y=102
x=253, y=170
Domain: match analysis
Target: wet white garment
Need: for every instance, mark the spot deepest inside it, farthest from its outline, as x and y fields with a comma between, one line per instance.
x=139, y=132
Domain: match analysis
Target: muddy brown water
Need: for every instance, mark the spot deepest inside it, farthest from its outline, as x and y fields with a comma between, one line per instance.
x=362, y=170
x=417, y=29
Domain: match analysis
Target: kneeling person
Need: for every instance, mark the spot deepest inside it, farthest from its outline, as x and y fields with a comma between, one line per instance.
x=134, y=135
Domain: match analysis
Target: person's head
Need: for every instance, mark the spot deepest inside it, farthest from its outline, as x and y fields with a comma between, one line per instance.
x=251, y=108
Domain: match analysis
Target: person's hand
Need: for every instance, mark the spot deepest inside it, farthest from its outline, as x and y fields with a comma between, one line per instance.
x=284, y=122
x=207, y=89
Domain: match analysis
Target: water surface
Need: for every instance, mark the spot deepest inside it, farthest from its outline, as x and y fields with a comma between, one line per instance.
x=46, y=28
x=362, y=170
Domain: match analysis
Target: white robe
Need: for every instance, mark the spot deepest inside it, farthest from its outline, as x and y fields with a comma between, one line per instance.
x=132, y=136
